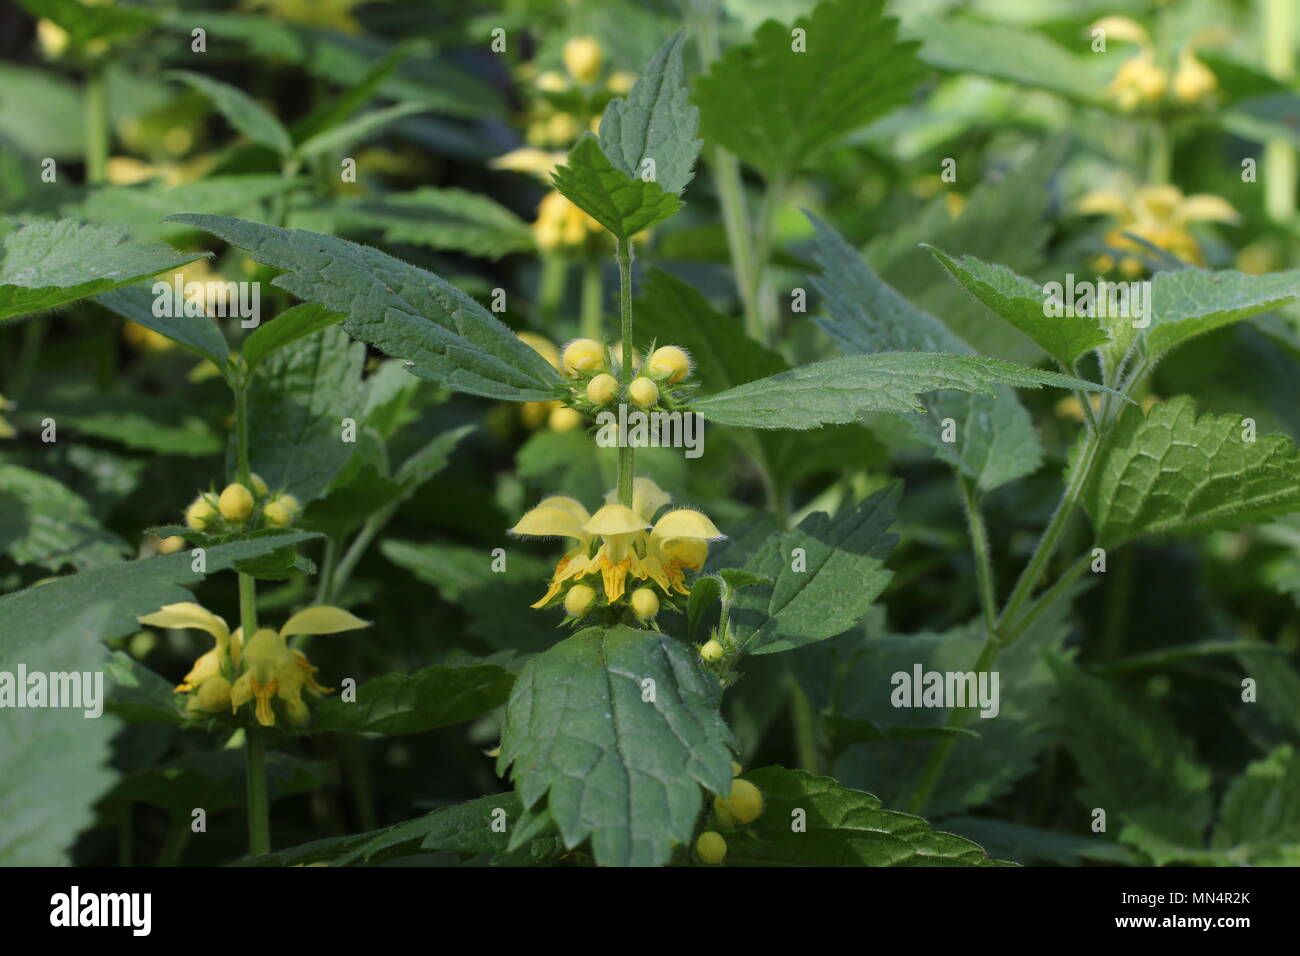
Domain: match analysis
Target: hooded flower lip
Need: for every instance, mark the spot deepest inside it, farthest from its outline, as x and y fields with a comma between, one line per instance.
x=266, y=666
x=620, y=541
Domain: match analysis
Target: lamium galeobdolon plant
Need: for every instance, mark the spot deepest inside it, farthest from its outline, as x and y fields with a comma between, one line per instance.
x=656, y=614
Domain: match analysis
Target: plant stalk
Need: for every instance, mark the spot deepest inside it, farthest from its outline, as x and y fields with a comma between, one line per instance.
x=625, y=372
x=96, y=151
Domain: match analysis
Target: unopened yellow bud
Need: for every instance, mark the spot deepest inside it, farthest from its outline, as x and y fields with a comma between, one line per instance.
x=259, y=486
x=711, y=651
x=235, y=503
x=736, y=769
x=745, y=802
x=620, y=81
x=722, y=813
x=645, y=604
x=170, y=544
x=644, y=392
x=552, y=81
x=579, y=600
x=583, y=355
x=199, y=513
x=583, y=58
x=670, y=363
x=278, y=513
x=602, y=389
x=564, y=419
x=711, y=848
x=214, y=695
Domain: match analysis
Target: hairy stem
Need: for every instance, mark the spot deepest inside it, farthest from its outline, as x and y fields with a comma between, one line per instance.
x=983, y=561
x=259, y=818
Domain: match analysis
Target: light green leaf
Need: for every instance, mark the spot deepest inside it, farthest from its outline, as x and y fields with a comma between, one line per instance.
x=1191, y=302
x=286, y=328
x=623, y=204
x=844, y=828
x=823, y=589
x=244, y=113
x=413, y=703
x=140, y=696
x=141, y=207
x=128, y=589
x=656, y=122
x=55, y=761
x=843, y=389
x=297, y=404
x=1171, y=471
x=342, y=137
x=624, y=771
x=1133, y=761
x=44, y=522
x=400, y=309
x=131, y=419
x=49, y=263
x=1260, y=817
x=200, y=334
x=775, y=106
x=996, y=440
x=1021, y=302
x=337, y=111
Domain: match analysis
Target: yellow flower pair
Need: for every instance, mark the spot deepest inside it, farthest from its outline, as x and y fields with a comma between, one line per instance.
x=1158, y=214
x=618, y=542
x=263, y=669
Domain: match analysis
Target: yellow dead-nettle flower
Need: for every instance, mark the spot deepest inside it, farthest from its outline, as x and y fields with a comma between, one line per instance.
x=536, y=162
x=583, y=58
x=617, y=541
x=263, y=669
x=561, y=223
x=1158, y=214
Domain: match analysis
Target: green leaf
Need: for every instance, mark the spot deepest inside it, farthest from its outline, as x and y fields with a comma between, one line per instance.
x=140, y=696
x=1191, y=302
x=56, y=762
x=824, y=575
x=843, y=389
x=623, y=204
x=287, y=327
x=774, y=107
x=128, y=589
x=400, y=309
x=446, y=219
x=50, y=263
x=342, y=137
x=996, y=440
x=656, y=122
x=132, y=419
x=705, y=593
x=1021, y=302
x=338, y=110
x=199, y=334
x=1260, y=817
x=1171, y=471
x=413, y=703
x=468, y=829
x=1133, y=761
x=44, y=522
x=611, y=765
x=85, y=22
x=296, y=409
x=844, y=828
x=244, y=113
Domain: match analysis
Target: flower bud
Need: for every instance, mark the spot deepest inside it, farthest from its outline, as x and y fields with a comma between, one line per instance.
x=670, y=363
x=745, y=802
x=711, y=848
x=259, y=486
x=278, y=513
x=583, y=355
x=645, y=604
x=644, y=392
x=235, y=503
x=711, y=652
x=564, y=419
x=579, y=600
x=199, y=513
x=602, y=389
x=214, y=695
x=170, y=544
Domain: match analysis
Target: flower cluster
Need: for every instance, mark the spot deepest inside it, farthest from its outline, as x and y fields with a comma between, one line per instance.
x=1159, y=215
x=1141, y=81
x=617, y=543
x=739, y=808
x=240, y=508
x=263, y=669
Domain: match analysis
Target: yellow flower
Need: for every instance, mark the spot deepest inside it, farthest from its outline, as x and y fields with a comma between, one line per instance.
x=561, y=223
x=1194, y=81
x=1158, y=214
x=265, y=666
x=617, y=541
x=535, y=162
x=711, y=848
x=602, y=389
x=644, y=392
x=235, y=502
x=6, y=430
x=583, y=58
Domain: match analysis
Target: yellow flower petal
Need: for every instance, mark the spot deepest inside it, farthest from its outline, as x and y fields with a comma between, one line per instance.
x=187, y=614
x=684, y=523
x=1204, y=207
x=554, y=517
x=1102, y=202
x=322, y=619
x=1124, y=29
x=647, y=497
x=614, y=519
